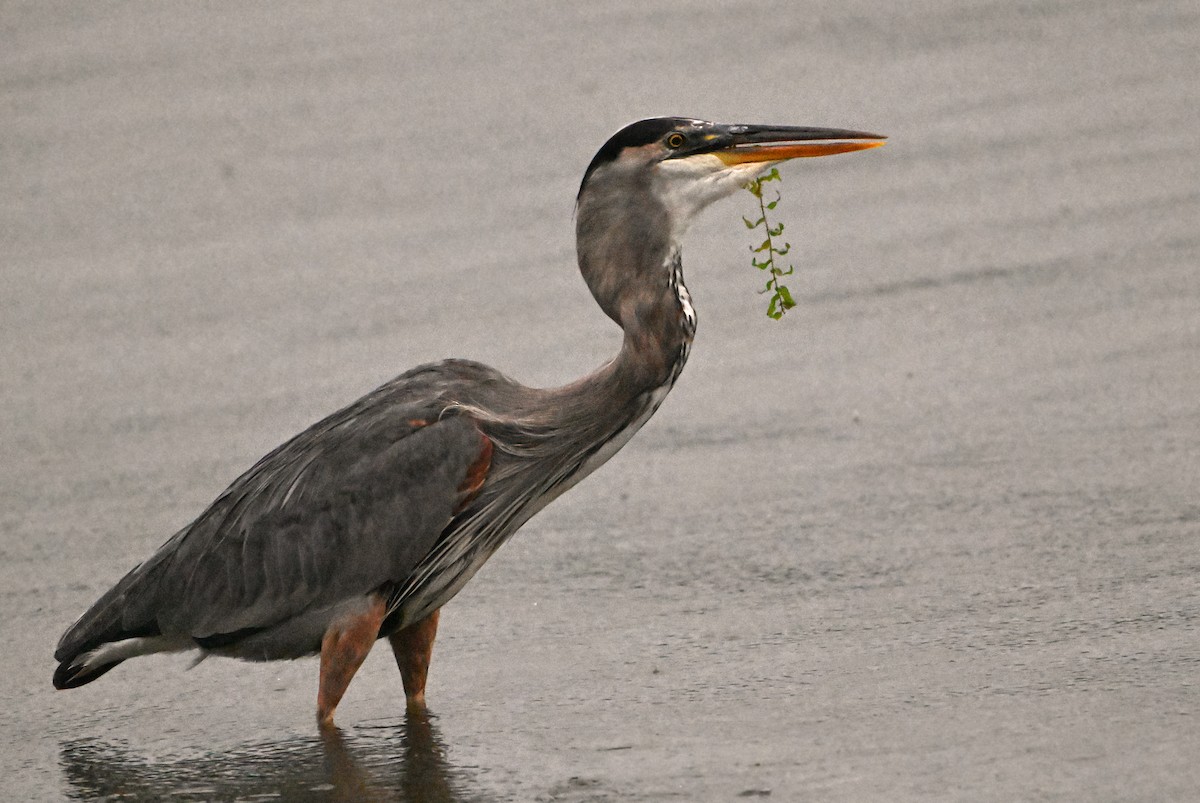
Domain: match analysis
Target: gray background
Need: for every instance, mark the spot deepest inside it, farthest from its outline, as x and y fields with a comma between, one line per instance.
x=933, y=536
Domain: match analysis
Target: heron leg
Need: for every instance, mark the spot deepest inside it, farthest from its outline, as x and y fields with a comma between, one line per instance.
x=413, y=647
x=343, y=649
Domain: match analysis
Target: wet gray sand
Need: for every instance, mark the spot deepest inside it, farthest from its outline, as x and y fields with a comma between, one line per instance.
x=932, y=537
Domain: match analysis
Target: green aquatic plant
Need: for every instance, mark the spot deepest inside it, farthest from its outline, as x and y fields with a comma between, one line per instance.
x=766, y=252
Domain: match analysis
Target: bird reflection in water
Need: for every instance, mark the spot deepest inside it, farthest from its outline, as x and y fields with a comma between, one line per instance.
x=403, y=761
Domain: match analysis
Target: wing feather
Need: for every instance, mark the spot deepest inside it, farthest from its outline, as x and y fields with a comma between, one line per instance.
x=350, y=504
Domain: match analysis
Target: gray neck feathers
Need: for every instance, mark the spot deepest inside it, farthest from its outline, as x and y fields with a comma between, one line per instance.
x=634, y=272
x=626, y=255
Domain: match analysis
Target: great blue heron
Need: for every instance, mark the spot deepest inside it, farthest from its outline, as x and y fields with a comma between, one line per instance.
x=366, y=523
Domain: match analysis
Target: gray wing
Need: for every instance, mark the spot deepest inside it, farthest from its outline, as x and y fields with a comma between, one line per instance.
x=352, y=503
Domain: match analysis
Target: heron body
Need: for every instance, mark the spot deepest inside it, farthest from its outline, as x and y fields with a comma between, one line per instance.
x=363, y=525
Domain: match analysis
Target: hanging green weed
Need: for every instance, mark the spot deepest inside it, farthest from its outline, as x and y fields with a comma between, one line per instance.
x=766, y=252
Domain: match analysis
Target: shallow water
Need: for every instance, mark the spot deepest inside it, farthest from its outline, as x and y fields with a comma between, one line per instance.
x=932, y=537
x=405, y=760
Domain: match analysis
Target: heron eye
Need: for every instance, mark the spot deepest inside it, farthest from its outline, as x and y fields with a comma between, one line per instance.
x=675, y=140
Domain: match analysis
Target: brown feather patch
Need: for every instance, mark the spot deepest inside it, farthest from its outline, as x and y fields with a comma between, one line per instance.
x=477, y=471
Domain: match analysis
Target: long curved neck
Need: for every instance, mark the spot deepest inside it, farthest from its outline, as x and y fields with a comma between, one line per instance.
x=631, y=263
x=658, y=326
x=593, y=417
x=629, y=259
x=563, y=434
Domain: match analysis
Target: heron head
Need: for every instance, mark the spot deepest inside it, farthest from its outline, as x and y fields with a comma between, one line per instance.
x=650, y=179
x=687, y=164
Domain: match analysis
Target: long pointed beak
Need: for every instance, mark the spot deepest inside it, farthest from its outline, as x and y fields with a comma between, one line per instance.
x=757, y=143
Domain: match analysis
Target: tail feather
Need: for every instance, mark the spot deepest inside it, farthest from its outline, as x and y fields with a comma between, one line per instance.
x=71, y=675
x=84, y=667
x=110, y=631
